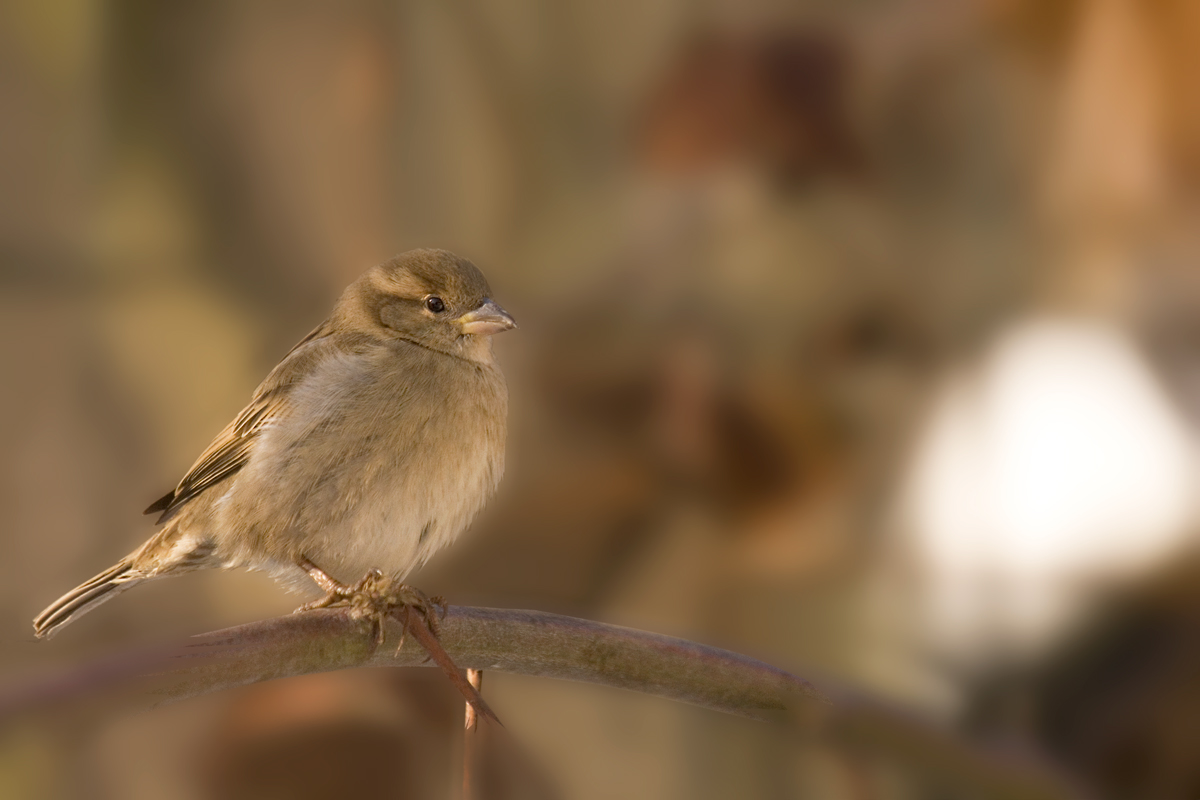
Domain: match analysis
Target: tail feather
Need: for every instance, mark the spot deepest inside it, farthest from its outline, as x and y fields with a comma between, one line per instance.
x=86, y=596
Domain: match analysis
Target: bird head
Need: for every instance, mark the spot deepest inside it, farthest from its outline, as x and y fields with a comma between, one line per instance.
x=432, y=298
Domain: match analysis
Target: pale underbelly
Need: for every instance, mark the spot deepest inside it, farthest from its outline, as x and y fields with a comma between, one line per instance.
x=390, y=520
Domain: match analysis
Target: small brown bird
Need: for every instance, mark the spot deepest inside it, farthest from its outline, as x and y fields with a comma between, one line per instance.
x=368, y=448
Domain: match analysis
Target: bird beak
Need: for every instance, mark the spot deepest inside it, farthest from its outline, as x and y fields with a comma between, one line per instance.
x=486, y=320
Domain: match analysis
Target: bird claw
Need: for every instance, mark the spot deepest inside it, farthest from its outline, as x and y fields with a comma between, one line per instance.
x=377, y=597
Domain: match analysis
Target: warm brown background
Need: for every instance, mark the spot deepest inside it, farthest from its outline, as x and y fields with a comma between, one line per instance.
x=746, y=243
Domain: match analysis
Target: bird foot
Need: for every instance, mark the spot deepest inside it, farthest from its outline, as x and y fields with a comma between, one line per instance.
x=377, y=597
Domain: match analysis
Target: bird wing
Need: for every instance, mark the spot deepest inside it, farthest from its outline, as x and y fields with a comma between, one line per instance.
x=232, y=448
x=228, y=453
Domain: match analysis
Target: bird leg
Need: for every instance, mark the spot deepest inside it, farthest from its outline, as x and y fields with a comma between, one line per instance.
x=373, y=598
x=377, y=596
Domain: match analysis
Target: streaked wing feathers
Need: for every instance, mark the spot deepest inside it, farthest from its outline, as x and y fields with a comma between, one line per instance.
x=230, y=451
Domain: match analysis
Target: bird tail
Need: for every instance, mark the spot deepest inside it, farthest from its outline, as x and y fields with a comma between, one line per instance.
x=86, y=596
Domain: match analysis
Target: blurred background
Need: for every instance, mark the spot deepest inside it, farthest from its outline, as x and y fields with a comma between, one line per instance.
x=860, y=337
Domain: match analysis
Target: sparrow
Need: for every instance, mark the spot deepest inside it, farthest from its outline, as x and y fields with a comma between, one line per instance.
x=372, y=445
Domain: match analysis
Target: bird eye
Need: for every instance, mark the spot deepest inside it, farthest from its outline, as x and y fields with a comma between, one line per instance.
x=435, y=304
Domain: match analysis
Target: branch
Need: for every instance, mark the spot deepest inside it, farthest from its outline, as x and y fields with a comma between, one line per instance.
x=551, y=646
x=525, y=642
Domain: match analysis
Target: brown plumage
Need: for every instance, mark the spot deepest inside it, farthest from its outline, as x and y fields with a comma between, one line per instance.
x=371, y=445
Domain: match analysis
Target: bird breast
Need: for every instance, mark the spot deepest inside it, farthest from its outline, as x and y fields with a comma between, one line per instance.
x=383, y=458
